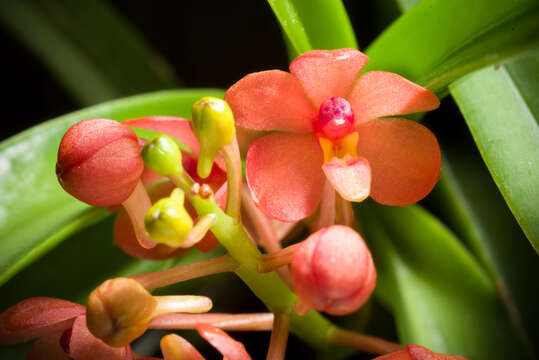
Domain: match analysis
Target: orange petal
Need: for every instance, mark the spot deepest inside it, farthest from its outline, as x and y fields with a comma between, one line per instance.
x=175, y=347
x=284, y=175
x=270, y=100
x=421, y=353
x=328, y=73
x=350, y=177
x=37, y=317
x=228, y=347
x=47, y=348
x=178, y=128
x=404, y=157
x=84, y=346
x=380, y=93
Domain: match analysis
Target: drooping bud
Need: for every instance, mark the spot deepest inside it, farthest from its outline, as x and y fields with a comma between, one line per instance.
x=120, y=310
x=175, y=347
x=99, y=162
x=162, y=155
x=333, y=271
x=167, y=221
x=416, y=352
x=213, y=124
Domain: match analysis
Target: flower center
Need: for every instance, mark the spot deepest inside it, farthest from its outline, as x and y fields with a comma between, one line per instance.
x=335, y=119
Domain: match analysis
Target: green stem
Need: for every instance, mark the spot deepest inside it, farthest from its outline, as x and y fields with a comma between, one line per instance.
x=231, y=154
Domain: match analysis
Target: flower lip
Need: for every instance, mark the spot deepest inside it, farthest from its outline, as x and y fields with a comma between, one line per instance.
x=335, y=118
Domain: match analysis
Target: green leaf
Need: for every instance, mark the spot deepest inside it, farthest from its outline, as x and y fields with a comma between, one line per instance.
x=468, y=201
x=94, y=60
x=35, y=212
x=501, y=109
x=438, y=41
x=314, y=24
x=440, y=296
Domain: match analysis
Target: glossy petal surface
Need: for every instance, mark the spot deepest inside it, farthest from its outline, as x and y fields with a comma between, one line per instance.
x=380, y=93
x=404, y=157
x=421, y=353
x=35, y=317
x=283, y=174
x=270, y=100
x=350, y=177
x=228, y=347
x=328, y=73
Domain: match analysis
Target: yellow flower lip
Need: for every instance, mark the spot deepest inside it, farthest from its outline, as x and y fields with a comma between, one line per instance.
x=339, y=148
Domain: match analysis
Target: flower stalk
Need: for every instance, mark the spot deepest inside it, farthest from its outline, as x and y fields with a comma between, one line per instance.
x=279, y=337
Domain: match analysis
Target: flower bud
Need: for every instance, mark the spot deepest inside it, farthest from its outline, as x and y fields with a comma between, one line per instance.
x=119, y=311
x=162, y=155
x=167, y=221
x=99, y=162
x=213, y=124
x=333, y=271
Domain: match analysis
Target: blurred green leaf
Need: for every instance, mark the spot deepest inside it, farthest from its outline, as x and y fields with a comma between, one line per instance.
x=314, y=24
x=501, y=109
x=440, y=296
x=438, y=41
x=92, y=51
x=35, y=213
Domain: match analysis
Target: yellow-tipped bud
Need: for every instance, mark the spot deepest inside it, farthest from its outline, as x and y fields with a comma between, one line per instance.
x=213, y=124
x=119, y=311
x=162, y=155
x=167, y=221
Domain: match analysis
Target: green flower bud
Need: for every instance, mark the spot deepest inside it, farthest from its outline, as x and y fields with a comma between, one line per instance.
x=162, y=155
x=213, y=124
x=167, y=221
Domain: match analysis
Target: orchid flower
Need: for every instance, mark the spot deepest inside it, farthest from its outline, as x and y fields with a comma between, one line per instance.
x=329, y=125
x=416, y=352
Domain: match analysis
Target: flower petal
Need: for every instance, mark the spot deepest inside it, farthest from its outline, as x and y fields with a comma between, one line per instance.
x=228, y=347
x=175, y=347
x=284, y=176
x=350, y=177
x=47, y=348
x=328, y=73
x=84, y=346
x=421, y=353
x=404, y=157
x=36, y=317
x=178, y=128
x=270, y=100
x=380, y=93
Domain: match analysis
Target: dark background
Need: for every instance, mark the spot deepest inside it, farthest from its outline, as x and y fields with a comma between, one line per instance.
x=207, y=44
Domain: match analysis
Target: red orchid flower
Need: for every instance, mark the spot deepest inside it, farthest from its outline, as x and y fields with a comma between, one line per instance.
x=180, y=129
x=416, y=352
x=60, y=329
x=326, y=118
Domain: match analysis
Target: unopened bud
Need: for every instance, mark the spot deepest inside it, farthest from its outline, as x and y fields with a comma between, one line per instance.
x=99, y=162
x=333, y=271
x=119, y=311
x=213, y=124
x=162, y=155
x=167, y=221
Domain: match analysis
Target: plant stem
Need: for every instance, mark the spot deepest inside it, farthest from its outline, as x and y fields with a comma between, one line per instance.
x=274, y=261
x=265, y=232
x=181, y=303
x=234, y=322
x=200, y=229
x=354, y=340
x=231, y=154
x=326, y=217
x=279, y=337
x=157, y=279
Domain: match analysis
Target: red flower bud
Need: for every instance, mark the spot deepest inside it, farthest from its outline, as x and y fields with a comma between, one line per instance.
x=99, y=162
x=333, y=271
